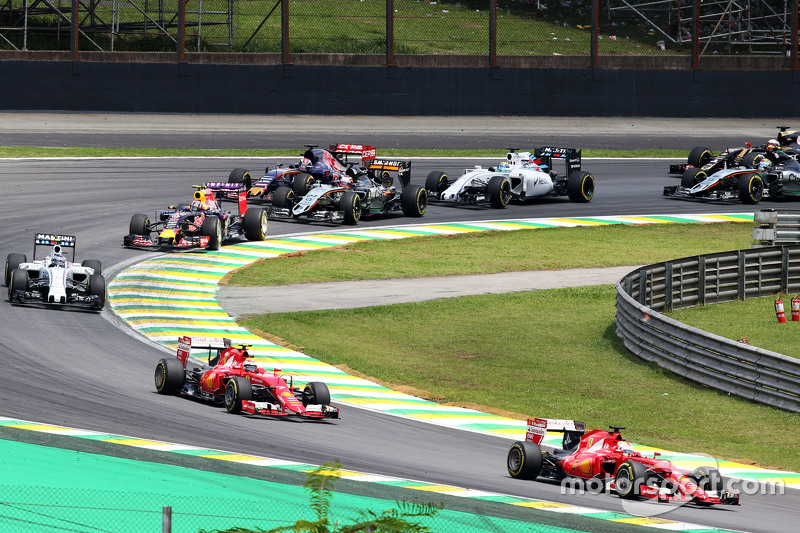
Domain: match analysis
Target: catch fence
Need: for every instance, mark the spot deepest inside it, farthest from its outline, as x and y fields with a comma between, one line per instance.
x=561, y=33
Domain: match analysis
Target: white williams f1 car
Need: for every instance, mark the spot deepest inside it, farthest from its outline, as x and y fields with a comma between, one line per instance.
x=55, y=279
x=522, y=176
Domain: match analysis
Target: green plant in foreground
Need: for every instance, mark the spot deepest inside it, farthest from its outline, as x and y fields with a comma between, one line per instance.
x=320, y=485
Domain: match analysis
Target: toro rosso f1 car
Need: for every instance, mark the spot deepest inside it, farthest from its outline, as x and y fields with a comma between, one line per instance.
x=56, y=279
x=607, y=460
x=522, y=176
x=229, y=379
x=201, y=224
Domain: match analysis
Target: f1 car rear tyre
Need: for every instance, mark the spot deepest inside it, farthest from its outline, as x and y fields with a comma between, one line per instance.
x=316, y=393
x=302, y=183
x=255, y=224
x=94, y=264
x=580, y=187
x=751, y=188
x=752, y=159
x=169, y=376
x=629, y=477
x=18, y=283
x=414, y=201
x=97, y=287
x=499, y=190
x=212, y=227
x=692, y=176
x=237, y=390
x=436, y=182
x=524, y=460
x=283, y=198
x=351, y=205
x=241, y=175
x=140, y=225
x=699, y=156
x=13, y=261
x=708, y=478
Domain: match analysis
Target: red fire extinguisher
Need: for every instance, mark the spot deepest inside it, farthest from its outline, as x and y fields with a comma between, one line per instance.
x=779, y=310
x=796, y=308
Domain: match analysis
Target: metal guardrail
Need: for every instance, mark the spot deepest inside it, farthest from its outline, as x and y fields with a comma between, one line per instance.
x=753, y=373
x=778, y=226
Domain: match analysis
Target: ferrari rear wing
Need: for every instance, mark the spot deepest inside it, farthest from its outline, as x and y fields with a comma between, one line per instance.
x=572, y=430
x=571, y=157
x=185, y=345
x=53, y=239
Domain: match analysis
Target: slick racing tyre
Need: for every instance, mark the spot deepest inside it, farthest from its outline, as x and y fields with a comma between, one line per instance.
x=580, y=187
x=283, y=198
x=708, y=479
x=350, y=203
x=241, y=175
x=692, y=176
x=97, y=287
x=94, y=264
x=316, y=393
x=13, y=261
x=524, y=460
x=629, y=477
x=302, y=183
x=237, y=390
x=699, y=156
x=255, y=224
x=436, y=182
x=751, y=188
x=499, y=190
x=414, y=201
x=140, y=225
x=752, y=159
x=17, y=284
x=212, y=227
x=169, y=376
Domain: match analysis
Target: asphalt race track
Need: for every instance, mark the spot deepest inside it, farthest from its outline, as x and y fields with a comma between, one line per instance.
x=100, y=377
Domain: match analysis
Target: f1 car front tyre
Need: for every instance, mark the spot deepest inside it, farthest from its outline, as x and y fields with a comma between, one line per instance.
x=302, y=183
x=316, y=393
x=94, y=264
x=169, y=376
x=628, y=479
x=414, y=201
x=692, y=176
x=212, y=227
x=708, y=479
x=283, y=198
x=751, y=188
x=350, y=204
x=140, y=225
x=18, y=283
x=13, y=261
x=699, y=156
x=524, y=460
x=237, y=390
x=241, y=175
x=580, y=187
x=499, y=190
x=255, y=224
x=436, y=182
x=97, y=287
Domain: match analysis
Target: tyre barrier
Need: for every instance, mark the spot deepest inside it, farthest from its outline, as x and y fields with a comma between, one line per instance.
x=729, y=366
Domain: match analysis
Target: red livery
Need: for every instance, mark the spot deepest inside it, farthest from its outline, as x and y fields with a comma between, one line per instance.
x=604, y=459
x=241, y=386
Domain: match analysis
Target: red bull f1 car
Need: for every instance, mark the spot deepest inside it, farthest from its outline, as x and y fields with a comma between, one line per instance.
x=56, y=279
x=242, y=387
x=201, y=224
x=607, y=460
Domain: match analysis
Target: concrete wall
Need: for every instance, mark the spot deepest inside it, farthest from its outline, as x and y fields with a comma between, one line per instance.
x=379, y=90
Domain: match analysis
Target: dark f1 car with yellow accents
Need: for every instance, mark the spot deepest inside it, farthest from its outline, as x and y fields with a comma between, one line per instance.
x=740, y=183
x=202, y=224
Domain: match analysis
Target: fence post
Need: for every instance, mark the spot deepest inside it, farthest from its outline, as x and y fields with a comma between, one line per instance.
x=794, y=34
x=389, y=33
x=182, y=31
x=492, y=33
x=696, y=35
x=166, y=516
x=73, y=46
x=595, y=32
x=285, y=31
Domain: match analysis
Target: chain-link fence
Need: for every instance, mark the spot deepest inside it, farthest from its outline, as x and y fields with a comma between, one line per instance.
x=390, y=30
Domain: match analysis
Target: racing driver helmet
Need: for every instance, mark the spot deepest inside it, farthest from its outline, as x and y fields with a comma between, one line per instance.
x=772, y=145
x=625, y=447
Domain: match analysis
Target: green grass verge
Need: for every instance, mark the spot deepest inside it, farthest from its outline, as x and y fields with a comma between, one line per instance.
x=293, y=153
x=550, y=353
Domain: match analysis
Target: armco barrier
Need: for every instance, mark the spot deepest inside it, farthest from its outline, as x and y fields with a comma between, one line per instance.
x=754, y=373
x=777, y=226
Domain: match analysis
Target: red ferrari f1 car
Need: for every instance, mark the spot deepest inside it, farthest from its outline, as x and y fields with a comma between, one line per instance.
x=607, y=460
x=241, y=386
